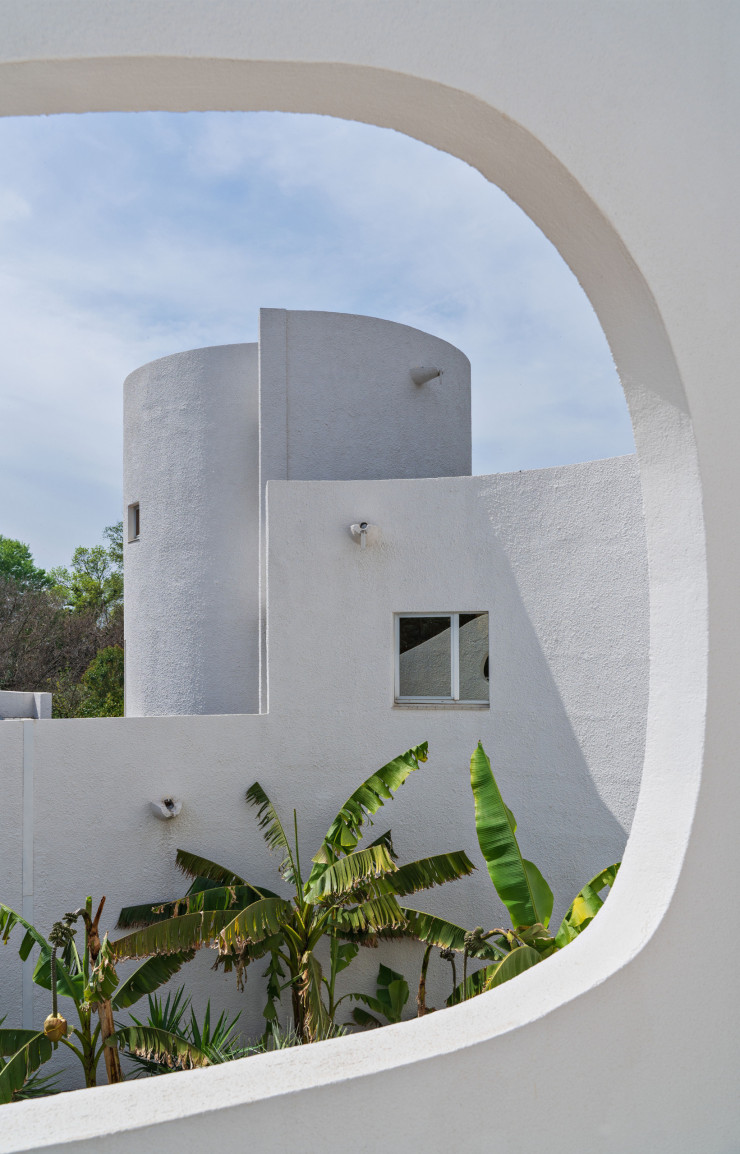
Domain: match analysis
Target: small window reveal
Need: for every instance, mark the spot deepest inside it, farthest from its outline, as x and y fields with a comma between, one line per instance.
x=442, y=658
x=134, y=522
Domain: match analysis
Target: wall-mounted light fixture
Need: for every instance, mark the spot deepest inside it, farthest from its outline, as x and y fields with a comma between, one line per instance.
x=423, y=373
x=363, y=533
x=166, y=808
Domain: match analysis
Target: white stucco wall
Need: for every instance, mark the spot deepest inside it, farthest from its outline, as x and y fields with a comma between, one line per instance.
x=556, y=558
x=614, y=127
x=338, y=401
x=18, y=704
x=191, y=460
x=335, y=399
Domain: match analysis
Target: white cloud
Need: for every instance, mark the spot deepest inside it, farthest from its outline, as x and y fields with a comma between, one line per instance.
x=126, y=237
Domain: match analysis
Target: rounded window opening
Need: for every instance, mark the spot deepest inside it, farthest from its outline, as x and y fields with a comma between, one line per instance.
x=152, y=234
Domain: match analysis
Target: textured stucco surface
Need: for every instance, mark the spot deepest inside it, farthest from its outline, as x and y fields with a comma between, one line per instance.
x=557, y=559
x=614, y=126
x=191, y=460
x=338, y=401
x=323, y=396
x=17, y=704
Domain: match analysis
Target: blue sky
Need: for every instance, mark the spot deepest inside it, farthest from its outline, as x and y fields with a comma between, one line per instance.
x=125, y=237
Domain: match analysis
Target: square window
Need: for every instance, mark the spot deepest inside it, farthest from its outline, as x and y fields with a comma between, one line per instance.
x=442, y=658
x=134, y=522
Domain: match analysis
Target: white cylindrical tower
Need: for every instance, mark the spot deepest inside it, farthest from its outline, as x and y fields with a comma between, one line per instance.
x=191, y=533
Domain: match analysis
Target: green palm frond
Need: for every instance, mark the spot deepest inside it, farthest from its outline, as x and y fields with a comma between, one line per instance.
x=263, y=919
x=68, y=985
x=474, y=985
x=431, y=871
x=362, y=1018
x=202, y=867
x=160, y=1046
x=349, y=872
x=12, y=1040
x=103, y=979
x=519, y=960
x=585, y=906
x=24, y=1062
x=386, y=840
x=272, y=830
x=208, y=896
x=9, y=919
x=519, y=883
x=149, y=977
x=317, y=1022
x=346, y=829
x=445, y=934
x=381, y=913
x=174, y=936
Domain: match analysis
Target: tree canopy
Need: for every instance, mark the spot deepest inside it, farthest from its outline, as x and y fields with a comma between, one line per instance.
x=62, y=631
x=16, y=564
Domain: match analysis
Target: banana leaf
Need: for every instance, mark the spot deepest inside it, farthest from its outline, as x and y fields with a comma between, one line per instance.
x=12, y=1040
x=272, y=831
x=149, y=977
x=348, y=872
x=430, y=871
x=203, y=867
x=439, y=932
x=346, y=830
x=585, y=906
x=519, y=883
x=381, y=913
x=317, y=1022
x=24, y=1062
x=158, y=1046
x=515, y=963
x=474, y=984
x=9, y=919
x=174, y=936
x=392, y=995
x=68, y=985
x=263, y=919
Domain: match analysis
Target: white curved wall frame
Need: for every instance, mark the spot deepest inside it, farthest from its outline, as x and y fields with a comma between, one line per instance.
x=614, y=127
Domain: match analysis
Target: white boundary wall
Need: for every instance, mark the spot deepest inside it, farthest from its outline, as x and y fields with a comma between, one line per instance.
x=17, y=704
x=557, y=559
x=614, y=126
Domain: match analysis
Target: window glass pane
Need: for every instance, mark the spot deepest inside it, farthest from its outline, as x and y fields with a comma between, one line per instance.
x=425, y=657
x=474, y=657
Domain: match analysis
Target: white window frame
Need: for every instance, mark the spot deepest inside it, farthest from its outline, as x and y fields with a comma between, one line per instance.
x=455, y=699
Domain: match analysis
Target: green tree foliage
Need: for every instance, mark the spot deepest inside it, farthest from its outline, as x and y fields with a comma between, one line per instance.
x=55, y=626
x=16, y=564
x=102, y=684
x=95, y=579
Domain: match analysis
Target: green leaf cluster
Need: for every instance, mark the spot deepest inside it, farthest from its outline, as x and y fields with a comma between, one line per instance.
x=523, y=891
x=349, y=898
x=88, y=978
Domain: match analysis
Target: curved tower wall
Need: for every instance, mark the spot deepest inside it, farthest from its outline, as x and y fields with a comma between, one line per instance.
x=325, y=396
x=191, y=460
x=338, y=402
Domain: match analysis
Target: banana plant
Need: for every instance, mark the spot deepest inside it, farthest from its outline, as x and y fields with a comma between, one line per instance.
x=390, y=999
x=522, y=889
x=88, y=978
x=350, y=896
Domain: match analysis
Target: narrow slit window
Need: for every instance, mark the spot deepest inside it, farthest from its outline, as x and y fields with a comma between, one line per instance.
x=134, y=522
x=442, y=658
